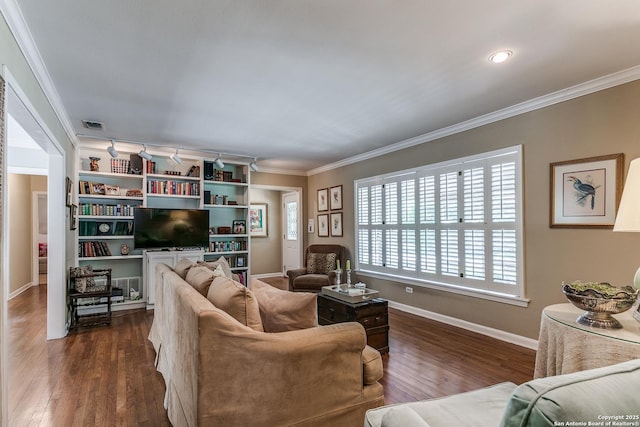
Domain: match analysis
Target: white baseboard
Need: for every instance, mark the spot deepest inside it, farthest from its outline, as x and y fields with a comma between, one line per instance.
x=267, y=275
x=21, y=290
x=473, y=327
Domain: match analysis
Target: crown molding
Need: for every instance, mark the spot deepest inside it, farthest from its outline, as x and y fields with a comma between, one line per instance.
x=595, y=85
x=20, y=31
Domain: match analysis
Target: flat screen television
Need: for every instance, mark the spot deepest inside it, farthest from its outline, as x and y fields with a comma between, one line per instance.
x=159, y=228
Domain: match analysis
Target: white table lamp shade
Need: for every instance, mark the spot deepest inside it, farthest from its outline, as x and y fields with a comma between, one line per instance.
x=628, y=217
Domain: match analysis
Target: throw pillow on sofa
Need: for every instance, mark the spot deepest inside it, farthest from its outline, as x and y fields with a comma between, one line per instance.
x=283, y=310
x=237, y=301
x=320, y=263
x=222, y=262
x=183, y=266
x=200, y=278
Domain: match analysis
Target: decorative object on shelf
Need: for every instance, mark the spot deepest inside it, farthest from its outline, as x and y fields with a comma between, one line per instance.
x=134, y=294
x=224, y=230
x=135, y=162
x=112, y=190
x=134, y=192
x=239, y=226
x=258, y=220
x=323, y=202
x=124, y=249
x=94, y=165
x=600, y=301
x=69, y=191
x=336, y=224
x=628, y=218
x=335, y=198
x=240, y=261
x=96, y=188
x=73, y=217
x=585, y=193
x=323, y=225
x=105, y=229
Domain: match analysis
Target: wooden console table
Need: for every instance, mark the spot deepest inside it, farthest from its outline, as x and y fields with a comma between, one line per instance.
x=102, y=296
x=566, y=346
x=372, y=314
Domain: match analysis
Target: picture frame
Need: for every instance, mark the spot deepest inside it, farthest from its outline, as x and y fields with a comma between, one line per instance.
x=335, y=198
x=112, y=190
x=96, y=188
x=73, y=217
x=585, y=193
x=239, y=226
x=258, y=220
x=336, y=224
x=323, y=200
x=240, y=261
x=69, y=191
x=323, y=225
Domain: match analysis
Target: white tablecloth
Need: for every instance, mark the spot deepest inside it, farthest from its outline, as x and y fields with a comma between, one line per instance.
x=565, y=346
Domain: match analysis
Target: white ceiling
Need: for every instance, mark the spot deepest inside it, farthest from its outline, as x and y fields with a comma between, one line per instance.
x=302, y=84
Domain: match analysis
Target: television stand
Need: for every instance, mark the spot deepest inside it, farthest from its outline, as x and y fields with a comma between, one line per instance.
x=165, y=256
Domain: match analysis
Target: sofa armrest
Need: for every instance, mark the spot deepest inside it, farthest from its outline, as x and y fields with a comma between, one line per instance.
x=372, y=368
x=292, y=274
x=314, y=370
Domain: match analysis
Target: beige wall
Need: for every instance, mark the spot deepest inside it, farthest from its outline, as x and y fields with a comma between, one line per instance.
x=19, y=233
x=266, y=252
x=598, y=124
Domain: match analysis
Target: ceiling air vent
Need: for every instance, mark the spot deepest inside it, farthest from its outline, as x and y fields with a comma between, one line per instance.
x=92, y=124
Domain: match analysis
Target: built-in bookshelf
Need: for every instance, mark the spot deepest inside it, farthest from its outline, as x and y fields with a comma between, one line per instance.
x=109, y=190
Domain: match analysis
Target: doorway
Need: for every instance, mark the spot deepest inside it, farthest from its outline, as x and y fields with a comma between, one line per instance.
x=39, y=243
x=291, y=217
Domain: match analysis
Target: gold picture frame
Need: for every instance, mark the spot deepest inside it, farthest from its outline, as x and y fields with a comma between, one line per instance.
x=585, y=193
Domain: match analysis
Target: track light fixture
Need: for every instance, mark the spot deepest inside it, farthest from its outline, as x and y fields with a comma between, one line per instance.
x=143, y=153
x=175, y=157
x=112, y=150
x=219, y=162
x=254, y=165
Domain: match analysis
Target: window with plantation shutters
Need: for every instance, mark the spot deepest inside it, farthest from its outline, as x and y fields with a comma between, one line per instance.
x=454, y=225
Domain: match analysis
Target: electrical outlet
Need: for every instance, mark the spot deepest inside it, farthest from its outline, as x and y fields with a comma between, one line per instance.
x=408, y=290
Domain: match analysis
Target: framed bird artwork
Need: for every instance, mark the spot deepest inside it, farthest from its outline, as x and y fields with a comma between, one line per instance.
x=585, y=193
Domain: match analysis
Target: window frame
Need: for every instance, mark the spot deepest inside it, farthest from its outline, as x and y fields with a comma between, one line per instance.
x=483, y=229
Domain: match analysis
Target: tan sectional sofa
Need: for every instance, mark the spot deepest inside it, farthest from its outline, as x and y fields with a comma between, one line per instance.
x=220, y=372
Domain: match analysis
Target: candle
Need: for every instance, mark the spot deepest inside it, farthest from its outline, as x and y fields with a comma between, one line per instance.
x=348, y=264
x=338, y=264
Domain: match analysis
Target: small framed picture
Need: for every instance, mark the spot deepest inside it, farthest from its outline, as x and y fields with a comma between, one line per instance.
x=323, y=200
x=323, y=225
x=73, y=217
x=335, y=198
x=69, y=191
x=258, y=220
x=239, y=226
x=112, y=190
x=336, y=224
x=240, y=261
x=585, y=193
x=97, y=188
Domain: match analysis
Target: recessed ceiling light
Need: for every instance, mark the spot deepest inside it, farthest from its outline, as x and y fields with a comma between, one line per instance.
x=500, y=56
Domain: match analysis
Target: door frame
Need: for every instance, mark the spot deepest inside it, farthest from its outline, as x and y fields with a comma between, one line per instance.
x=35, y=225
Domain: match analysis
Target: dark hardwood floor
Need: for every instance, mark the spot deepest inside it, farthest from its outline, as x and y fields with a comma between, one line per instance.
x=105, y=376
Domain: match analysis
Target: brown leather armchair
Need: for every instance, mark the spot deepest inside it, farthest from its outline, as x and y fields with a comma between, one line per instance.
x=301, y=280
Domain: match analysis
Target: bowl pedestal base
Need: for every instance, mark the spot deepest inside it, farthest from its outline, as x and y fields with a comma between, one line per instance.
x=599, y=320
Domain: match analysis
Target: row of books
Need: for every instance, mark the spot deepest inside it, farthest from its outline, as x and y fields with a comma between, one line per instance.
x=92, y=248
x=93, y=228
x=228, y=246
x=120, y=166
x=173, y=187
x=105, y=210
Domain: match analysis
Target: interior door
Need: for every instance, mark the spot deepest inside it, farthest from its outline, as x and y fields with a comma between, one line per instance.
x=291, y=247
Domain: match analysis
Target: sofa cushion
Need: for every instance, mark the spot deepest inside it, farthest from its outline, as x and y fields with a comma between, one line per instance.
x=237, y=301
x=482, y=407
x=283, y=310
x=586, y=396
x=219, y=262
x=402, y=416
x=200, y=278
x=183, y=266
x=320, y=263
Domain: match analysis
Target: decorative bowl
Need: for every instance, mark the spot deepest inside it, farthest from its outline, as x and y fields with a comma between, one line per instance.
x=600, y=301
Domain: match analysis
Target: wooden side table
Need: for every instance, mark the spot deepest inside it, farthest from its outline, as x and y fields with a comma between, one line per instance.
x=101, y=298
x=372, y=314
